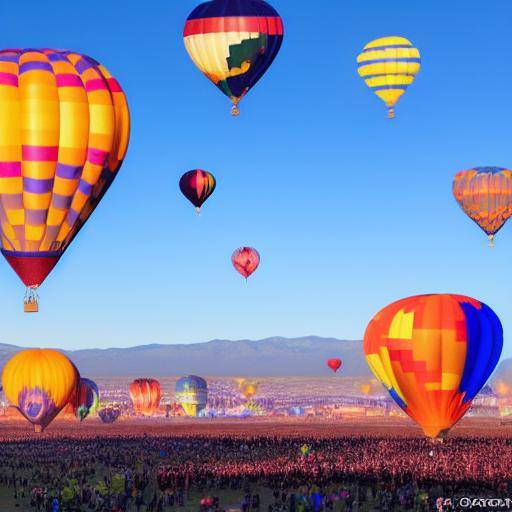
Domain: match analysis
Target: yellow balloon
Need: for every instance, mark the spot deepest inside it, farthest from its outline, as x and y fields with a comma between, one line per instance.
x=388, y=66
x=39, y=383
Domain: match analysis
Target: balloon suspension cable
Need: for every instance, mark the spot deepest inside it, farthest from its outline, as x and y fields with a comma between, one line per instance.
x=31, y=300
x=491, y=241
x=391, y=113
x=198, y=210
x=235, y=111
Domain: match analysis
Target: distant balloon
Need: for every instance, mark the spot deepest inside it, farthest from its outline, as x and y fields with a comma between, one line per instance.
x=245, y=260
x=64, y=130
x=39, y=383
x=388, y=66
x=86, y=399
x=434, y=353
x=365, y=388
x=192, y=393
x=248, y=387
x=145, y=395
x=485, y=195
x=109, y=414
x=334, y=364
x=197, y=186
x=233, y=43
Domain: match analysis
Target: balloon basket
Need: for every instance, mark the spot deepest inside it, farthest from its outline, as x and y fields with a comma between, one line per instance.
x=391, y=113
x=31, y=301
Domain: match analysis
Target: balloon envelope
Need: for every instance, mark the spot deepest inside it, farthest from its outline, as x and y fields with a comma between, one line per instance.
x=64, y=130
x=388, y=66
x=192, y=393
x=145, y=395
x=39, y=383
x=485, y=195
x=109, y=414
x=245, y=260
x=86, y=399
x=233, y=42
x=434, y=353
x=334, y=364
x=197, y=186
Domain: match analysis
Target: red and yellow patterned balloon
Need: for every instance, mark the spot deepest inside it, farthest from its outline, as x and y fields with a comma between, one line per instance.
x=145, y=395
x=245, y=260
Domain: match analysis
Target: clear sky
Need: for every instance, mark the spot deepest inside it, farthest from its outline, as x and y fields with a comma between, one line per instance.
x=349, y=211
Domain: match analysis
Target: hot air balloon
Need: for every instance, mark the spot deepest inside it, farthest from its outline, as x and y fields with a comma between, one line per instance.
x=64, y=129
x=86, y=399
x=39, y=383
x=388, y=66
x=433, y=353
x=334, y=364
x=109, y=414
x=248, y=388
x=197, y=186
x=245, y=260
x=145, y=395
x=485, y=195
x=192, y=393
x=233, y=43
x=365, y=388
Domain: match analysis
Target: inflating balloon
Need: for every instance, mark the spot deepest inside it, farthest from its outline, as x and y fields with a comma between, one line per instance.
x=233, y=43
x=245, y=260
x=334, y=364
x=109, y=414
x=145, y=395
x=192, y=393
x=434, y=353
x=39, y=383
x=388, y=66
x=64, y=129
x=197, y=186
x=485, y=195
x=86, y=399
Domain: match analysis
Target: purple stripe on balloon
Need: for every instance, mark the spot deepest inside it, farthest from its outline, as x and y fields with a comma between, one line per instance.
x=83, y=64
x=61, y=202
x=35, y=217
x=52, y=232
x=39, y=153
x=35, y=66
x=10, y=169
x=69, y=172
x=97, y=156
x=9, y=58
x=72, y=216
x=19, y=232
x=85, y=188
x=57, y=57
x=37, y=186
x=68, y=80
x=8, y=79
x=12, y=201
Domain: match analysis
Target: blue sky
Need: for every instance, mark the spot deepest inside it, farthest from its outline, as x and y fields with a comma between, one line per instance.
x=349, y=211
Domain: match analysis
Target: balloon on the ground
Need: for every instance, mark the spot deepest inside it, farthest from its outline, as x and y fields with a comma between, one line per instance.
x=233, y=43
x=86, y=399
x=145, y=395
x=192, y=393
x=434, y=353
x=388, y=66
x=485, y=195
x=197, y=186
x=109, y=414
x=245, y=260
x=39, y=383
x=64, y=130
x=248, y=388
x=334, y=364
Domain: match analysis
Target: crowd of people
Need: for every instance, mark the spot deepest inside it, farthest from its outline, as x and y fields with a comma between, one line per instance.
x=262, y=474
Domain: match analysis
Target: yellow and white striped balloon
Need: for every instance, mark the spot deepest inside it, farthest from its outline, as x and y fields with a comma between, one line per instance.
x=388, y=66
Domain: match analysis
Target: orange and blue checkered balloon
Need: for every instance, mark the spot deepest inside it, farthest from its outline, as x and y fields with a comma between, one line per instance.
x=485, y=195
x=64, y=130
x=233, y=42
x=434, y=353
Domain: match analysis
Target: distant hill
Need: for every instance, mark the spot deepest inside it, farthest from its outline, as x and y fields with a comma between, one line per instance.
x=268, y=357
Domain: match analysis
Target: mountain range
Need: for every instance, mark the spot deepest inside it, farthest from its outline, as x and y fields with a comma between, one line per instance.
x=277, y=356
